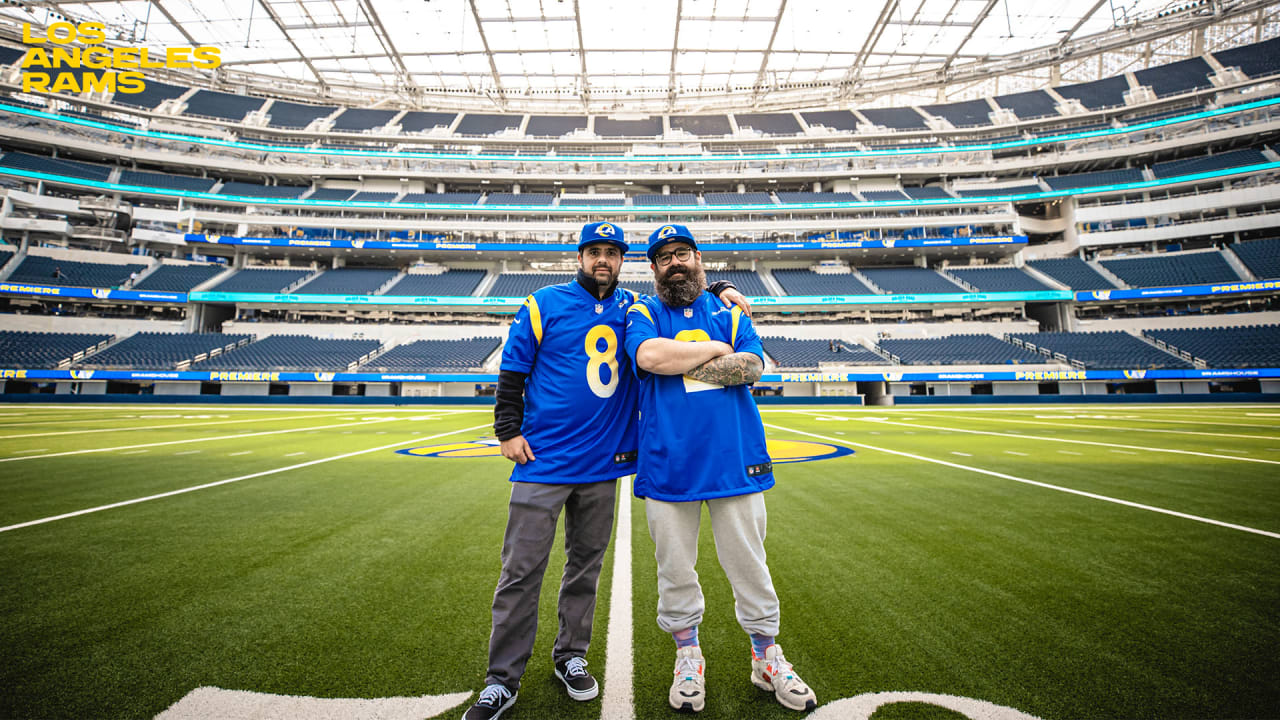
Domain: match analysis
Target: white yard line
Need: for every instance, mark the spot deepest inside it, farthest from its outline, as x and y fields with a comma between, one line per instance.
x=1068, y=452
x=187, y=452
x=1059, y=488
x=264, y=473
x=1116, y=427
x=1014, y=452
x=961, y=454
x=295, y=454
x=242, y=452
x=191, y=440
x=161, y=427
x=618, y=702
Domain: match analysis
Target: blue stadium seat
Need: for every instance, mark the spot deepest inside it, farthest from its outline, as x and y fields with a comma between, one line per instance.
x=479, y=124
x=702, y=125
x=520, y=199
x=1257, y=60
x=292, y=353
x=1074, y=273
x=1099, y=94
x=927, y=193
x=165, y=181
x=244, y=189
x=809, y=353
x=989, y=192
x=1113, y=350
x=970, y=113
x=441, y=356
x=56, y=166
x=331, y=194
x=178, y=278
x=958, y=350
x=452, y=283
x=895, y=118
x=1262, y=257
x=295, y=115
x=884, y=195
x=260, y=280
x=800, y=281
x=160, y=351
x=840, y=120
x=41, y=269
x=348, y=281
x=1176, y=77
x=608, y=127
x=361, y=119
x=1094, y=179
x=210, y=103
x=1029, y=105
x=419, y=121
x=374, y=197
x=554, y=126
x=1250, y=346
x=20, y=349
x=1209, y=163
x=769, y=123
x=1183, y=269
x=651, y=200
x=913, y=280
x=748, y=282
x=523, y=284
x=747, y=198
x=151, y=96
x=998, y=279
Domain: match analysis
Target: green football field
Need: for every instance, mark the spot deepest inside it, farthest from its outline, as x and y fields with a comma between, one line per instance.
x=1051, y=562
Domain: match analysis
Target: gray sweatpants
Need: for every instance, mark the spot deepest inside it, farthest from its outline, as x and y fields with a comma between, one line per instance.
x=738, y=525
x=531, y=529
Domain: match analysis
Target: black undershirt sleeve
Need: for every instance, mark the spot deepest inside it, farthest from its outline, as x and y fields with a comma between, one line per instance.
x=720, y=286
x=508, y=413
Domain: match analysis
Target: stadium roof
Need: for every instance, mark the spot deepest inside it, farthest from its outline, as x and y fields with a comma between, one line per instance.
x=667, y=55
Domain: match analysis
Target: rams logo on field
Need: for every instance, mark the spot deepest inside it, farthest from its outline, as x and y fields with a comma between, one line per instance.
x=780, y=451
x=1135, y=374
x=101, y=293
x=666, y=232
x=606, y=230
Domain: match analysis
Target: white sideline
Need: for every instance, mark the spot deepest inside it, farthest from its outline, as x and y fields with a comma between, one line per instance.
x=156, y=427
x=264, y=473
x=1024, y=421
x=195, y=440
x=618, y=702
x=1059, y=488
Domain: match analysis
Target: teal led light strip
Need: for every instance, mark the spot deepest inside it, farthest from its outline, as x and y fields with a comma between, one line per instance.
x=647, y=159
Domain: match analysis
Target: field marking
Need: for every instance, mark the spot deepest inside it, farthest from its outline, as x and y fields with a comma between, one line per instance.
x=1068, y=452
x=618, y=702
x=1036, y=483
x=189, y=440
x=1124, y=452
x=250, y=476
x=1126, y=429
x=242, y=452
x=961, y=454
x=1023, y=436
x=215, y=702
x=161, y=427
x=1014, y=452
x=135, y=452
x=295, y=454
x=187, y=452
x=28, y=452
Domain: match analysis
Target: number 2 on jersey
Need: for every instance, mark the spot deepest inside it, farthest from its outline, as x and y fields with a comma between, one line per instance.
x=597, y=358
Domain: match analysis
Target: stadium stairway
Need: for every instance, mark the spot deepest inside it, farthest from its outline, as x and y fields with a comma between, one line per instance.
x=1238, y=265
x=213, y=281
x=1042, y=277
x=1110, y=276
x=482, y=289
x=866, y=280
x=151, y=268
x=770, y=282
x=18, y=256
x=382, y=290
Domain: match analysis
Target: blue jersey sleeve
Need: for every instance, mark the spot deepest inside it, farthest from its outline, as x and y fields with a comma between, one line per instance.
x=523, y=338
x=745, y=338
x=640, y=327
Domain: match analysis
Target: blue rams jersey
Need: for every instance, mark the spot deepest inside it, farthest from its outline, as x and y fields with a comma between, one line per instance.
x=698, y=440
x=580, y=398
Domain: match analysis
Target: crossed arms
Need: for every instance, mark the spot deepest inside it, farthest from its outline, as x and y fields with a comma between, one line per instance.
x=710, y=361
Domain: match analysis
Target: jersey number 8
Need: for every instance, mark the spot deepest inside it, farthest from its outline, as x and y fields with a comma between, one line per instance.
x=597, y=357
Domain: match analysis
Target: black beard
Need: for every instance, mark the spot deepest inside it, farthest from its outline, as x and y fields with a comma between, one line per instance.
x=682, y=292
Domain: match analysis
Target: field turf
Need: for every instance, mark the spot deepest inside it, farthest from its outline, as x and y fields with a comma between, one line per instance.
x=1061, y=561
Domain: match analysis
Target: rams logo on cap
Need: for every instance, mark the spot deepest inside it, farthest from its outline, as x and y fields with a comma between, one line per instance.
x=606, y=230
x=666, y=232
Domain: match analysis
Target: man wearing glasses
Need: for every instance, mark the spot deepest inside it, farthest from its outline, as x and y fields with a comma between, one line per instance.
x=696, y=359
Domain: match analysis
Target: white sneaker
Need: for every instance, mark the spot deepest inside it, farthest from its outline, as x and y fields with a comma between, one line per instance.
x=689, y=689
x=775, y=674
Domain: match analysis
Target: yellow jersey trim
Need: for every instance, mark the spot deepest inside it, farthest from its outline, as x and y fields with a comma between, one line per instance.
x=535, y=317
x=642, y=310
x=737, y=315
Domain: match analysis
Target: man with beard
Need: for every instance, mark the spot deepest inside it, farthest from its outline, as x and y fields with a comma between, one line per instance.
x=696, y=359
x=565, y=414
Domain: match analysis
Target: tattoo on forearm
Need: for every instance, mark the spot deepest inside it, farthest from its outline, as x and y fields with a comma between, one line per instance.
x=739, y=368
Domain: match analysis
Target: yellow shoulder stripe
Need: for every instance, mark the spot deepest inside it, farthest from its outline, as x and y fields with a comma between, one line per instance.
x=737, y=315
x=535, y=317
x=642, y=310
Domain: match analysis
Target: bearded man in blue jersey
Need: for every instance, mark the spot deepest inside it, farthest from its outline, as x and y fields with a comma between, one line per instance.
x=566, y=415
x=696, y=359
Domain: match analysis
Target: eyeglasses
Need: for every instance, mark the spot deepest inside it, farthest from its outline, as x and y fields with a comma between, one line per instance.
x=663, y=259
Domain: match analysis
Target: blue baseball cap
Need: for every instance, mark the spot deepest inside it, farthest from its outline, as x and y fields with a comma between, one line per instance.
x=602, y=232
x=668, y=234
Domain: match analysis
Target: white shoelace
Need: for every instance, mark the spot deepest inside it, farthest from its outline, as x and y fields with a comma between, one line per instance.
x=575, y=667
x=494, y=695
x=687, y=666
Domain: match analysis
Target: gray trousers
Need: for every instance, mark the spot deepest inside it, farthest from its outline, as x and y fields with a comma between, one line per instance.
x=738, y=525
x=531, y=530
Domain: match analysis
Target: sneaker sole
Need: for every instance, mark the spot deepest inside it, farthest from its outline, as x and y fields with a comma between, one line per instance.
x=505, y=707
x=768, y=687
x=688, y=706
x=579, y=695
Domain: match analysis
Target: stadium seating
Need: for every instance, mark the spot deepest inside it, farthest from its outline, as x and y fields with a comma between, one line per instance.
x=178, y=278
x=6, y=255
x=523, y=284
x=55, y=166
x=1256, y=60
x=1226, y=347
x=1074, y=273
x=348, y=281
x=608, y=127
x=520, y=199
x=1184, y=269
x=260, y=280
x=151, y=96
x=927, y=193
x=41, y=269
x=745, y=198
x=484, y=124
x=1092, y=179
x=649, y=200
x=809, y=353
x=769, y=123
x=841, y=120
x=10, y=55
x=331, y=194
x=227, y=106
x=988, y=192
x=747, y=281
x=453, y=283
x=449, y=198
x=361, y=119
x=554, y=126
x=166, y=181
x=160, y=351
x=291, y=353
x=373, y=197
x=1028, y=105
x=34, y=350
x=279, y=192
x=1221, y=161
x=295, y=115
x=1114, y=350
x=702, y=125
x=1176, y=77
x=884, y=195
x=1099, y=94
x=593, y=201
x=957, y=350
x=970, y=113
x=799, y=281
x=1262, y=257
x=816, y=197
x=998, y=279
x=419, y=121
x=913, y=280
x=435, y=356
x=895, y=118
